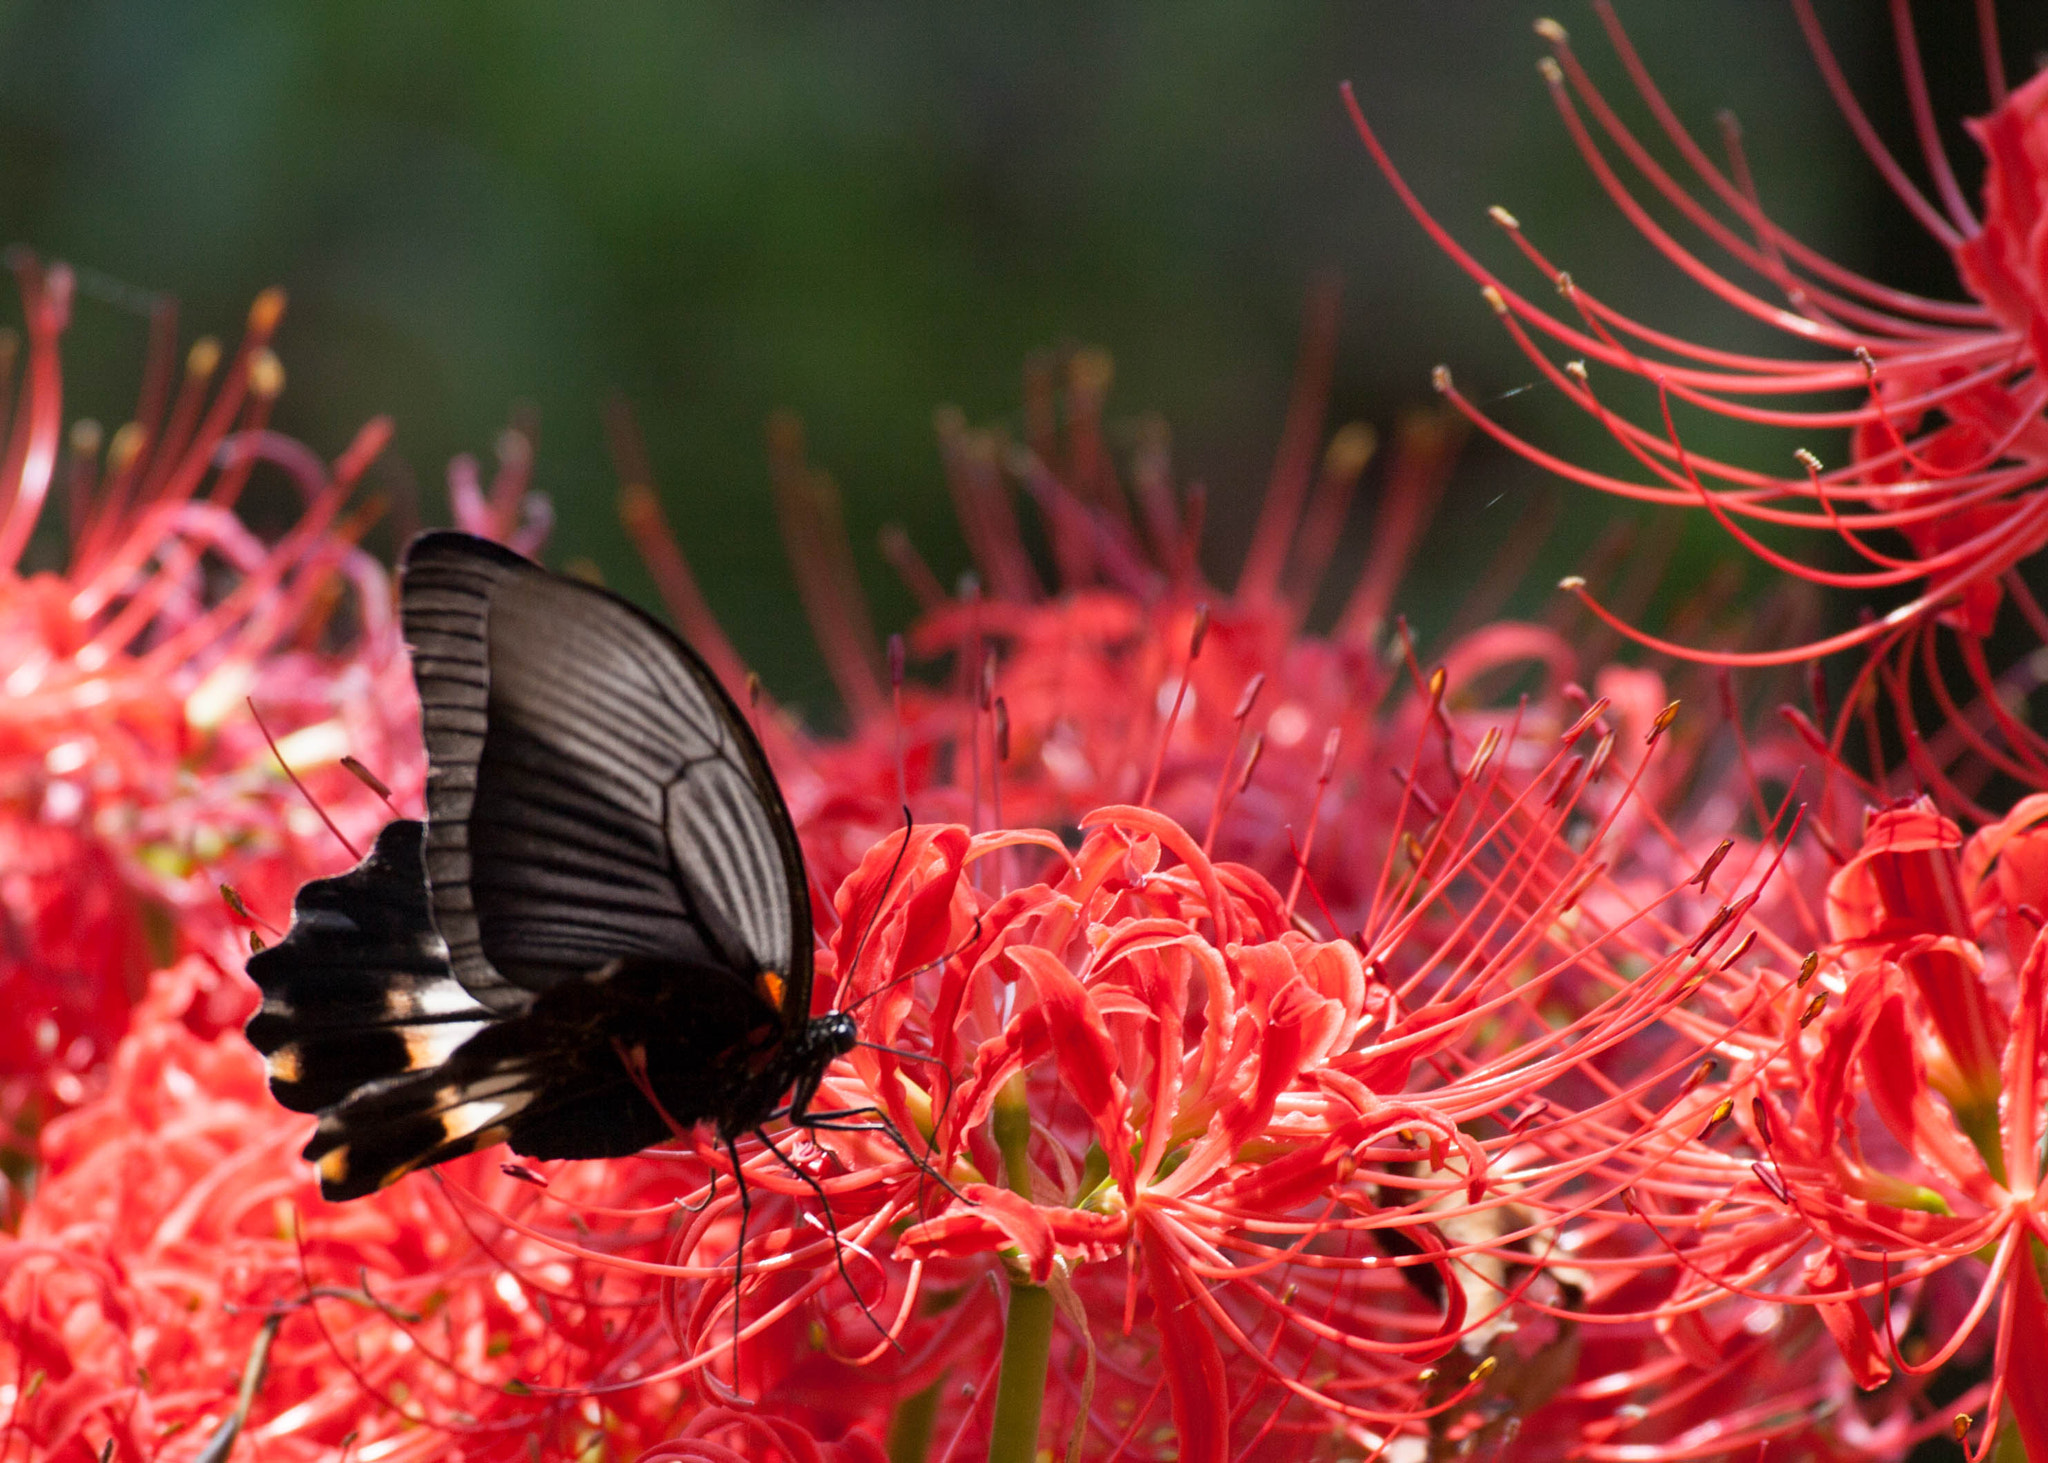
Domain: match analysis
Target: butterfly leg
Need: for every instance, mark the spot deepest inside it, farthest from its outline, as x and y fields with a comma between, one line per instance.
x=739, y=1256
x=831, y=1122
x=832, y=1226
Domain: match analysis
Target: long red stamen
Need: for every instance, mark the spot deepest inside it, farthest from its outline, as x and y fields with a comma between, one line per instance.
x=311, y=801
x=1247, y=699
x=1196, y=634
x=1287, y=489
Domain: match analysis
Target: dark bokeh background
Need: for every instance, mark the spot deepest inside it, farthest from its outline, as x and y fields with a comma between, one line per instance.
x=860, y=211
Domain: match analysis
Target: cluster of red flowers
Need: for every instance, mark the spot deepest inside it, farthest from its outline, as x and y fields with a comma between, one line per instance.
x=1284, y=1048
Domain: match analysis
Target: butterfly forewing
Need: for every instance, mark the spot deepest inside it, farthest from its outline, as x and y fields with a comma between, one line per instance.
x=593, y=793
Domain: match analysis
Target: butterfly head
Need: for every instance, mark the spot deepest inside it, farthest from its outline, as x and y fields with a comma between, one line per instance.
x=833, y=1034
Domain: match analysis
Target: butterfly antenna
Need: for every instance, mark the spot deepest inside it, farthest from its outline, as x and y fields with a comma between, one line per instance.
x=832, y=1227
x=875, y=915
x=353, y=852
x=933, y=964
x=897, y=1051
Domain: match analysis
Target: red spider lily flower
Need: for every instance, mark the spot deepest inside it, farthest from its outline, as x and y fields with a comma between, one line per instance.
x=177, y=1279
x=1275, y=1188
x=1137, y=680
x=1886, y=1172
x=134, y=781
x=1948, y=448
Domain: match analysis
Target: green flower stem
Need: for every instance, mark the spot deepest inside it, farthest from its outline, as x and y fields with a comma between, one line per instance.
x=1027, y=1335
x=910, y=1429
x=1020, y=1387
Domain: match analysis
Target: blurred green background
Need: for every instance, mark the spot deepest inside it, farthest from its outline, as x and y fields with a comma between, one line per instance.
x=861, y=211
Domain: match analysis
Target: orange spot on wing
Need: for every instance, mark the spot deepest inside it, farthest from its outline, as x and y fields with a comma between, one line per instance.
x=772, y=988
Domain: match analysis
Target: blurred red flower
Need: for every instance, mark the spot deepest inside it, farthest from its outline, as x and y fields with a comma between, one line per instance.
x=175, y=1233
x=134, y=780
x=1948, y=449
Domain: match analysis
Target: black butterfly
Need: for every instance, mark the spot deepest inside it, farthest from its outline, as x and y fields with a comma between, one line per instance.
x=607, y=876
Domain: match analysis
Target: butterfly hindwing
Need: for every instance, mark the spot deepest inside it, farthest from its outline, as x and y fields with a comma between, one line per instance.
x=360, y=989
x=553, y=1081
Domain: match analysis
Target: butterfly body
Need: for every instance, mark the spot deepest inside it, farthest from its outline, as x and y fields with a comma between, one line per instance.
x=605, y=904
